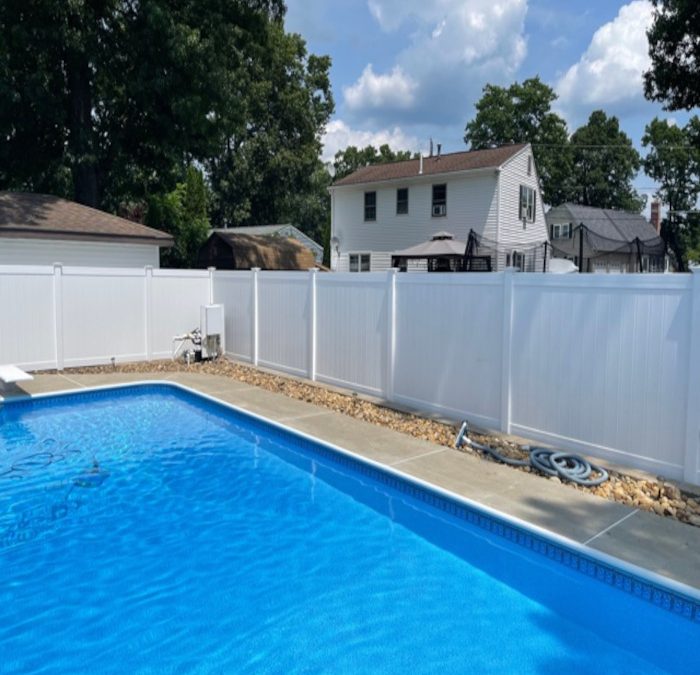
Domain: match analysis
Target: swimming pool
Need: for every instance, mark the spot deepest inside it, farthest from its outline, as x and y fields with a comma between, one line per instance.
x=145, y=528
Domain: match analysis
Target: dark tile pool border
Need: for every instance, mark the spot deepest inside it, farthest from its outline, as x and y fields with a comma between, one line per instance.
x=628, y=582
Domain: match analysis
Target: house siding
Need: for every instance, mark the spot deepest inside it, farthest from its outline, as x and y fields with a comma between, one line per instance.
x=511, y=233
x=76, y=253
x=472, y=203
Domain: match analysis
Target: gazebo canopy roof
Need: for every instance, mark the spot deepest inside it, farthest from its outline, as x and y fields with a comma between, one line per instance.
x=441, y=244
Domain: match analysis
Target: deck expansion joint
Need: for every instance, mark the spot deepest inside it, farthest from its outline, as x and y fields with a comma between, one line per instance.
x=610, y=527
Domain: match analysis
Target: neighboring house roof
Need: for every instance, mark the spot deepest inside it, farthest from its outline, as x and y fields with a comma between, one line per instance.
x=27, y=215
x=491, y=158
x=284, y=229
x=617, y=227
x=265, y=252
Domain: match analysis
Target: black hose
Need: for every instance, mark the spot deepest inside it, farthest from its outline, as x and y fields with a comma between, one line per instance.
x=564, y=465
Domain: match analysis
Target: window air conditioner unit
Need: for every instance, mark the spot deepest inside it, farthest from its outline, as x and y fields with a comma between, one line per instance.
x=439, y=210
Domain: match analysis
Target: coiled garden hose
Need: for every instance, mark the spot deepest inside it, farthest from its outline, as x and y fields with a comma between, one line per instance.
x=549, y=462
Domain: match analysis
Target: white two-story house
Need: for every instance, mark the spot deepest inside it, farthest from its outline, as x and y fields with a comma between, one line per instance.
x=384, y=208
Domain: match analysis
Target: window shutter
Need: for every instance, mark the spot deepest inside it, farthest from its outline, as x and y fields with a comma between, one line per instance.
x=520, y=203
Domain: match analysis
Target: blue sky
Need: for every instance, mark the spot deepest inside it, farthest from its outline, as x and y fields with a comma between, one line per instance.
x=408, y=70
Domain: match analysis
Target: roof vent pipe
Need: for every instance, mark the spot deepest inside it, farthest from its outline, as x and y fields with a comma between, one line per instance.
x=420, y=165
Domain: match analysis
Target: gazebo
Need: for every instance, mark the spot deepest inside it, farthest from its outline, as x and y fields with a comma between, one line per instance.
x=442, y=253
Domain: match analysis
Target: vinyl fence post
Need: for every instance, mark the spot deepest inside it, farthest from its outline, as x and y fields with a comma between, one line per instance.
x=691, y=464
x=58, y=312
x=211, y=271
x=312, y=322
x=507, y=349
x=254, y=319
x=390, y=333
x=148, y=290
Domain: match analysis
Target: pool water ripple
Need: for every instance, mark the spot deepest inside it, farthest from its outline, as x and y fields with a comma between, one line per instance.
x=210, y=547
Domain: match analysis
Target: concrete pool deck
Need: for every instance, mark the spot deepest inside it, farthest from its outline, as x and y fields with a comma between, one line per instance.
x=661, y=545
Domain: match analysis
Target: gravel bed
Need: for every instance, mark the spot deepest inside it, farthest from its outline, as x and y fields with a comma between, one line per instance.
x=659, y=496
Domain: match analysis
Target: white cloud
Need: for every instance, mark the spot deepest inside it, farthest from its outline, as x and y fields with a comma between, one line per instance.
x=454, y=48
x=609, y=73
x=339, y=135
x=393, y=91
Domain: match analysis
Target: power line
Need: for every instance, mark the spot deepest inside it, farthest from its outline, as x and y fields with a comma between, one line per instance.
x=617, y=146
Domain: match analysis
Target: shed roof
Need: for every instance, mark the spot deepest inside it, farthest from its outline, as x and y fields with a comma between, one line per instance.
x=36, y=216
x=490, y=158
x=267, y=230
x=267, y=252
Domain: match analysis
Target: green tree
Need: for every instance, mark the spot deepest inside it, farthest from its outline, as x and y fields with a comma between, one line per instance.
x=604, y=165
x=184, y=213
x=108, y=101
x=353, y=158
x=673, y=160
x=674, y=48
x=275, y=153
x=521, y=113
x=310, y=211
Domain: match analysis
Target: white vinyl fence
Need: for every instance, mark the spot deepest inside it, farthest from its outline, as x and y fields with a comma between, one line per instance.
x=603, y=364
x=56, y=317
x=608, y=365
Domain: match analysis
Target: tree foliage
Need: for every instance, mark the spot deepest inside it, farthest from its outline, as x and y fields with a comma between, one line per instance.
x=274, y=154
x=105, y=99
x=110, y=102
x=604, y=163
x=353, y=158
x=673, y=160
x=183, y=212
x=674, y=48
x=521, y=113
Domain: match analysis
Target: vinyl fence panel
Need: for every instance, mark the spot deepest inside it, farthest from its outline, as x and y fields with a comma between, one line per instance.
x=284, y=319
x=234, y=290
x=27, y=317
x=351, y=330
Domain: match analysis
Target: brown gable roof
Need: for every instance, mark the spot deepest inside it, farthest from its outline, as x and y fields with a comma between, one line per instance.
x=30, y=215
x=454, y=161
x=266, y=252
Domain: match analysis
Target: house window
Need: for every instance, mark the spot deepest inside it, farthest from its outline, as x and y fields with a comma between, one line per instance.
x=359, y=262
x=561, y=231
x=370, y=206
x=402, y=201
x=439, y=200
x=527, y=204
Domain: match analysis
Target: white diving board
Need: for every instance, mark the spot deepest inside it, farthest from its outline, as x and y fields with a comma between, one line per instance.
x=12, y=374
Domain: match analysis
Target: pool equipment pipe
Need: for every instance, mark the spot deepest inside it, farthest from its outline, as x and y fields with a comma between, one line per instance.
x=564, y=465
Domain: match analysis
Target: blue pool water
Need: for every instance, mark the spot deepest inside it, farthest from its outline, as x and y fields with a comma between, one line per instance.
x=149, y=530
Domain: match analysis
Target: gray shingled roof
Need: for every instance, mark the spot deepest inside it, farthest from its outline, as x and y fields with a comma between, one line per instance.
x=619, y=226
x=253, y=229
x=31, y=215
x=606, y=231
x=435, y=165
